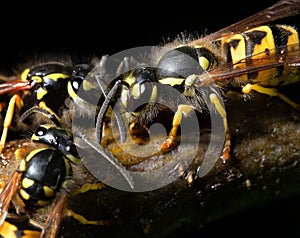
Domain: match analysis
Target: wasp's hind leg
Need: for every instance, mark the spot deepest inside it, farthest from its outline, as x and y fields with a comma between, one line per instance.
x=222, y=112
x=271, y=92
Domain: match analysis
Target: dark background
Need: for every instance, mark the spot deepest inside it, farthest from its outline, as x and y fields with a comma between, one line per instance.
x=108, y=27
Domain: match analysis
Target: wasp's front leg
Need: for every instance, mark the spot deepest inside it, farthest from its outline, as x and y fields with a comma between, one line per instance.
x=171, y=140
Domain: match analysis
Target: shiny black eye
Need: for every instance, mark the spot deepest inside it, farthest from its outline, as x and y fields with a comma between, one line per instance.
x=76, y=83
x=41, y=131
x=72, y=150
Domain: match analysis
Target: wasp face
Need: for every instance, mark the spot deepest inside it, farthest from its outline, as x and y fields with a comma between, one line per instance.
x=138, y=89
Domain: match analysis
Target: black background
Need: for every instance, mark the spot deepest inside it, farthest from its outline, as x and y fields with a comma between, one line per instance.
x=109, y=27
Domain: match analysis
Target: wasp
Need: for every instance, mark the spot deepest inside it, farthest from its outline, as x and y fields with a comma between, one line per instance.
x=49, y=172
x=252, y=55
x=45, y=175
x=43, y=172
x=45, y=85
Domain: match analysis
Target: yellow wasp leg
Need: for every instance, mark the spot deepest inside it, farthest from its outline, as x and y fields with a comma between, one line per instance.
x=271, y=92
x=84, y=221
x=85, y=188
x=15, y=100
x=222, y=112
x=169, y=143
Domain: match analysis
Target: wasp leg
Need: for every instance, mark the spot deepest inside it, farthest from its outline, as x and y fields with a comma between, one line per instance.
x=15, y=100
x=222, y=112
x=43, y=110
x=84, y=221
x=170, y=142
x=85, y=188
x=271, y=92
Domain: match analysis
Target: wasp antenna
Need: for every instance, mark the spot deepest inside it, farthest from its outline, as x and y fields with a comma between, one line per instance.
x=101, y=84
x=103, y=110
x=41, y=111
x=120, y=123
x=110, y=158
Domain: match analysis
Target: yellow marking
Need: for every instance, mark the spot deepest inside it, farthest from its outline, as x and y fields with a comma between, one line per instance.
x=135, y=90
x=73, y=158
x=259, y=52
x=37, y=79
x=124, y=96
x=84, y=221
x=35, y=138
x=31, y=234
x=171, y=81
x=48, y=191
x=22, y=166
x=266, y=43
x=56, y=76
x=271, y=92
x=71, y=91
x=24, y=194
x=204, y=63
x=87, y=85
x=42, y=203
x=8, y=230
x=43, y=105
x=68, y=168
x=153, y=94
x=26, y=182
x=24, y=74
x=294, y=37
x=33, y=153
x=130, y=79
x=237, y=53
x=88, y=187
x=40, y=93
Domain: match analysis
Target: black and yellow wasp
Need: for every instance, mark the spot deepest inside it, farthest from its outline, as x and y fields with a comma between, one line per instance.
x=49, y=168
x=251, y=55
x=49, y=171
x=46, y=85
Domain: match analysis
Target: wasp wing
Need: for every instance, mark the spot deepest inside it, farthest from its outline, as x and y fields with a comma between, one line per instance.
x=282, y=9
x=288, y=56
x=8, y=193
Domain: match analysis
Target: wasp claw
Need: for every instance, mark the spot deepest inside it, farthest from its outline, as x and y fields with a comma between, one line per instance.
x=226, y=151
x=168, y=144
